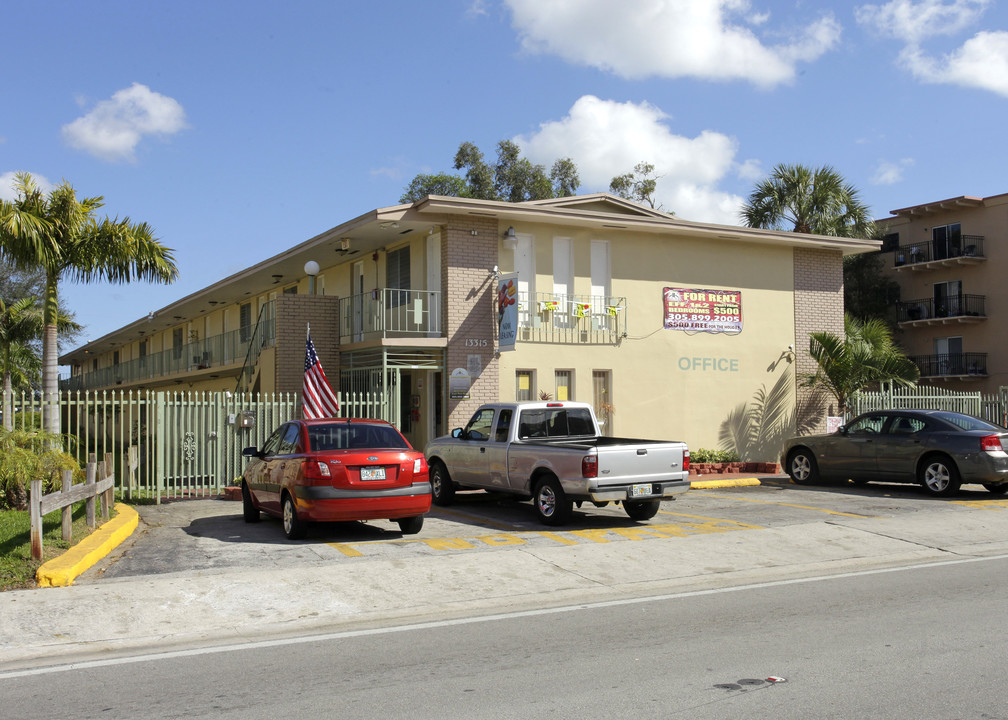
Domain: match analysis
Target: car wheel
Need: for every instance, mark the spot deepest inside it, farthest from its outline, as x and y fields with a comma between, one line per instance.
x=410, y=525
x=641, y=509
x=442, y=490
x=939, y=476
x=293, y=526
x=249, y=510
x=996, y=488
x=802, y=467
x=551, y=503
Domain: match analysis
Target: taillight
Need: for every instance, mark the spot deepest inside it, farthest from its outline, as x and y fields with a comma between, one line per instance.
x=589, y=466
x=419, y=466
x=685, y=460
x=991, y=443
x=316, y=470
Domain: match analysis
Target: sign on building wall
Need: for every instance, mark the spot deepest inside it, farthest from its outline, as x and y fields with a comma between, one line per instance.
x=507, y=311
x=693, y=310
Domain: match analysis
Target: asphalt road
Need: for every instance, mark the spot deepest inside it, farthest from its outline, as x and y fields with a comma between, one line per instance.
x=210, y=534
x=898, y=643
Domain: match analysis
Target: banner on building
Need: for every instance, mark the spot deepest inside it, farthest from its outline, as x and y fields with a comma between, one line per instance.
x=507, y=311
x=695, y=310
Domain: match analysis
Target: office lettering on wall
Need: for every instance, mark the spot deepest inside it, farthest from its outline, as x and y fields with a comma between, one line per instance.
x=699, y=310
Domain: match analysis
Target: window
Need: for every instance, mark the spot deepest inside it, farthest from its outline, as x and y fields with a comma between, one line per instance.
x=245, y=321
x=869, y=424
x=291, y=442
x=948, y=298
x=292, y=290
x=479, y=427
x=177, y=342
x=554, y=422
x=397, y=274
x=602, y=399
x=564, y=390
x=94, y=365
x=600, y=283
x=115, y=357
x=503, y=425
x=946, y=241
x=524, y=382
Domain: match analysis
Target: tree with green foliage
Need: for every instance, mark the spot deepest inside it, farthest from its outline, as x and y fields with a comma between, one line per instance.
x=511, y=178
x=868, y=291
x=61, y=234
x=866, y=354
x=808, y=200
x=20, y=323
x=638, y=186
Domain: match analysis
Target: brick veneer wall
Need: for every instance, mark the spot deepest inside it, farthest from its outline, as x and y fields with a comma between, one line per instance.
x=818, y=306
x=468, y=255
x=293, y=313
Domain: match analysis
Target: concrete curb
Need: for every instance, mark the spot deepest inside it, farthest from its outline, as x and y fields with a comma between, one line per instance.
x=63, y=570
x=726, y=482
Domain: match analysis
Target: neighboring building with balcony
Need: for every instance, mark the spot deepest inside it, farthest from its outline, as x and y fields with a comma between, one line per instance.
x=610, y=300
x=949, y=259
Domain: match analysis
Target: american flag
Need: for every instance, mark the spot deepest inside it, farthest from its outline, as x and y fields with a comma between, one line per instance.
x=318, y=397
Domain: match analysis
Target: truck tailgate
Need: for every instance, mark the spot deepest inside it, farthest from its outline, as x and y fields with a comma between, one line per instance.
x=640, y=463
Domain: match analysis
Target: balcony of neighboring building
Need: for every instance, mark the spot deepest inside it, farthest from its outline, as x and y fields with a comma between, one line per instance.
x=390, y=314
x=948, y=310
x=218, y=355
x=581, y=319
x=940, y=253
x=952, y=366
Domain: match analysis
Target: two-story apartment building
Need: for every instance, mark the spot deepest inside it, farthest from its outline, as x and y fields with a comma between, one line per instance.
x=672, y=328
x=949, y=258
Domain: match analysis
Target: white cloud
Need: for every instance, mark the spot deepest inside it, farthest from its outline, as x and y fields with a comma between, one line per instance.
x=751, y=170
x=607, y=138
x=981, y=62
x=670, y=38
x=8, y=179
x=913, y=22
x=113, y=129
x=890, y=173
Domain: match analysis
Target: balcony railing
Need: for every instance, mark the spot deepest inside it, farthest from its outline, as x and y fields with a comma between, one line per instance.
x=390, y=313
x=217, y=351
x=966, y=246
x=550, y=318
x=951, y=364
x=963, y=307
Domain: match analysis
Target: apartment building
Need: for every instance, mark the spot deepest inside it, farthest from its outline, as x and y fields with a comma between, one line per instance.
x=949, y=258
x=673, y=329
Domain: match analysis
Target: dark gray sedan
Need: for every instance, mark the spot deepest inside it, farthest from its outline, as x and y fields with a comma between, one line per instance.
x=938, y=449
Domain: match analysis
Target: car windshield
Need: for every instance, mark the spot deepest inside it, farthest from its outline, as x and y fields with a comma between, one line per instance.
x=968, y=422
x=354, y=436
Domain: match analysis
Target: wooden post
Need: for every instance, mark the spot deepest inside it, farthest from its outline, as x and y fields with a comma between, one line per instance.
x=35, y=513
x=89, y=504
x=68, y=510
x=110, y=493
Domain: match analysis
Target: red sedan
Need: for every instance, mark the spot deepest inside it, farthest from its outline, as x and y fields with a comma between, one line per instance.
x=335, y=470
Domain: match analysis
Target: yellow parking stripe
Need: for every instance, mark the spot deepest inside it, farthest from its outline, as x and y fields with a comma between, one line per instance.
x=790, y=505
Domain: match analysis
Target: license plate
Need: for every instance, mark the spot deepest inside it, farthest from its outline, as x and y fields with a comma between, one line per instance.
x=372, y=473
x=638, y=490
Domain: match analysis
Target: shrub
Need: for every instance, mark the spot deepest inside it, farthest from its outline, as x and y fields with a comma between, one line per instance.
x=25, y=456
x=703, y=455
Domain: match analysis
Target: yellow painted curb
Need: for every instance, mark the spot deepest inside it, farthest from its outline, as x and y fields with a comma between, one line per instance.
x=67, y=567
x=732, y=482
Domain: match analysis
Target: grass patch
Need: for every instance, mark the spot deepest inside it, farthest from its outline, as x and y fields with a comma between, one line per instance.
x=17, y=569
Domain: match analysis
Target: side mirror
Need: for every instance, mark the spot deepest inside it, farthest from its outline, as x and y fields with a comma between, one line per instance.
x=456, y=433
x=842, y=430
x=251, y=452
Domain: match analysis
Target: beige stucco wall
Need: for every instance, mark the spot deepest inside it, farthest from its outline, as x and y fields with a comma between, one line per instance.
x=669, y=383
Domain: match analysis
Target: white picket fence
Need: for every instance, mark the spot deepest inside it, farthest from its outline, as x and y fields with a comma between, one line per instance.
x=992, y=407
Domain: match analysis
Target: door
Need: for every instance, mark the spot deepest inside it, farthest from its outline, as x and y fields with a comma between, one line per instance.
x=469, y=454
x=948, y=355
x=524, y=265
x=852, y=453
x=948, y=298
x=433, y=285
x=563, y=281
x=497, y=449
x=897, y=449
x=600, y=283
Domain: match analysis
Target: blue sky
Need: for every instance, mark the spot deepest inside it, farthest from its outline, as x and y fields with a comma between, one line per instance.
x=239, y=129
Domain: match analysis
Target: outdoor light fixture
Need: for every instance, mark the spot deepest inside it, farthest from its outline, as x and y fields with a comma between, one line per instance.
x=311, y=268
x=510, y=241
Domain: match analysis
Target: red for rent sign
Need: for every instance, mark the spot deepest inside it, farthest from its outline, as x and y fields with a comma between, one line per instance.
x=695, y=310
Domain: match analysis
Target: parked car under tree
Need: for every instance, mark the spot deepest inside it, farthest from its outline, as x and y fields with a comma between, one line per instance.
x=336, y=470
x=938, y=449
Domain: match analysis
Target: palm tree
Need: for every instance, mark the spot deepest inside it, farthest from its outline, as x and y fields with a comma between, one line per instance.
x=809, y=200
x=61, y=234
x=20, y=323
x=865, y=355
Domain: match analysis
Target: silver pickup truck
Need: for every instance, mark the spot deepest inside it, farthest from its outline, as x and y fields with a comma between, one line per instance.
x=553, y=453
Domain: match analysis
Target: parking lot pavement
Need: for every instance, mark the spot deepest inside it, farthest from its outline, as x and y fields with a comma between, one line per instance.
x=195, y=572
